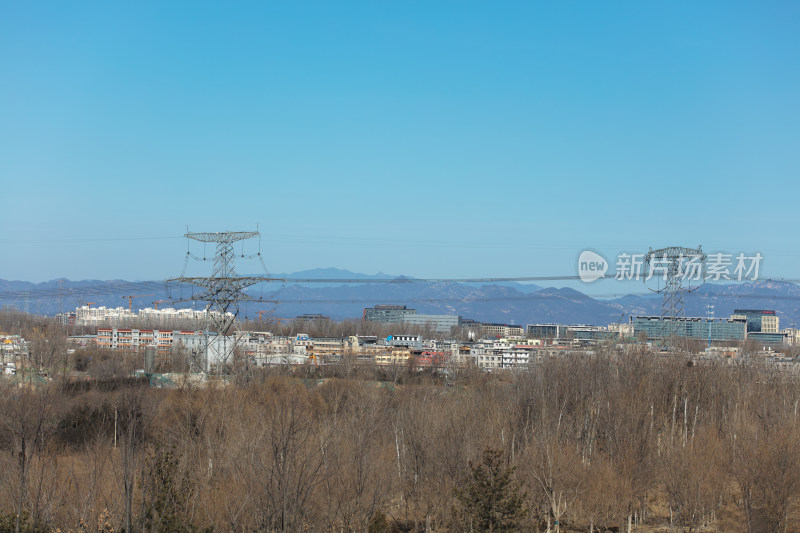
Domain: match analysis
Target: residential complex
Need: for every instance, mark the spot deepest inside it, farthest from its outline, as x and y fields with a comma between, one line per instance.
x=500, y=346
x=135, y=339
x=264, y=348
x=488, y=346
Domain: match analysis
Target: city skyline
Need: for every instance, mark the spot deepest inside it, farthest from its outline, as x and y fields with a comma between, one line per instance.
x=429, y=140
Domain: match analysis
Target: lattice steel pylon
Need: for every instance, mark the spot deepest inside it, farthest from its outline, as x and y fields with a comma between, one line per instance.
x=676, y=264
x=223, y=291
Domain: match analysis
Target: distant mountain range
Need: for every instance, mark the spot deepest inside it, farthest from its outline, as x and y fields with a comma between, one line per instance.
x=348, y=293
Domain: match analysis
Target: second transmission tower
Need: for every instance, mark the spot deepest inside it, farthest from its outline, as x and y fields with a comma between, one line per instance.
x=674, y=263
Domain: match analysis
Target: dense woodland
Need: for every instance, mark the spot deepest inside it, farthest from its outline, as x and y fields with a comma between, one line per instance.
x=598, y=442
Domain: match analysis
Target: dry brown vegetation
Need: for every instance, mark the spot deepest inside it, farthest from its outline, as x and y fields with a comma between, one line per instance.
x=594, y=443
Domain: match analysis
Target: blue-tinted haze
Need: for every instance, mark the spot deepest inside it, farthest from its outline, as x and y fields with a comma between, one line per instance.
x=450, y=139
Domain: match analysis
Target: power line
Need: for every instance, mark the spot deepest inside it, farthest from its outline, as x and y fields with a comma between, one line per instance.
x=88, y=239
x=600, y=298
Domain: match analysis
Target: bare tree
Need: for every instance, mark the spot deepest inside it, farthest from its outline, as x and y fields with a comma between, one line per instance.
x=694, y=480
x=288, y=450
x=28, y=419
x=134, y=412
x=358, y=463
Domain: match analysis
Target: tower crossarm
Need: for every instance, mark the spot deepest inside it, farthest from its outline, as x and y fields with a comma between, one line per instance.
x=675, y=253
x=223, y=237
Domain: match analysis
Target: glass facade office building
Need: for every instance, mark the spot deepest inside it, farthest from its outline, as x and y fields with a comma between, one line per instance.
x=754, y=317
x=545, y=331
x=694, y=328
x=773, y=339
x=592, y=334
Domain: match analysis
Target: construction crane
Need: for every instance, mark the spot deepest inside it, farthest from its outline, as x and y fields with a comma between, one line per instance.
x=132, y=296
x=161, y=302
x=89, y=304
x=277, y=320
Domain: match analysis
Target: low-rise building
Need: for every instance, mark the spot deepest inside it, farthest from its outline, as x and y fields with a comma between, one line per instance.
x=387, y=314
x=767, y=338
x=623, y=330
x=792, y=336
x=12, y=347
x=491, y=355
x=590, y=333
x=431, y=359
x=392, y=355
x=501, y=330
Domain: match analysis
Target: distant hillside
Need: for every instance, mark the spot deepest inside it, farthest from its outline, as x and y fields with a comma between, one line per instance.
x=491, y=302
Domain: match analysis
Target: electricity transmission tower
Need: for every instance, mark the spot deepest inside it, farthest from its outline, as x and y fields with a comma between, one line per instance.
x=675, y=265
x=222, y=291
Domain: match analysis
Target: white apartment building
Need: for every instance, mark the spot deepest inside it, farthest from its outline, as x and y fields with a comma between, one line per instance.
x=95, y=316
x=92, y=316
x=177, y=314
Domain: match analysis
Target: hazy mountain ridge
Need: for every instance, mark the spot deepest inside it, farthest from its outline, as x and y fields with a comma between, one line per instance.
x=507, y=302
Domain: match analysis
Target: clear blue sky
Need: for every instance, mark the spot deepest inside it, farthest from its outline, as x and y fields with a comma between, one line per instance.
x=446, y=139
